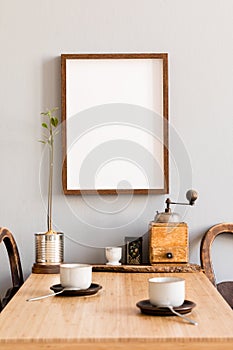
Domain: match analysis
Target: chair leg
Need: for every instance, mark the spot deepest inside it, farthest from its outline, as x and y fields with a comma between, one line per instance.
x=9, y=294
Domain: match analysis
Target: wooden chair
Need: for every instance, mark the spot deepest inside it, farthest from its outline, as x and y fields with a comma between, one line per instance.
x=225, y=288
x=15, y=265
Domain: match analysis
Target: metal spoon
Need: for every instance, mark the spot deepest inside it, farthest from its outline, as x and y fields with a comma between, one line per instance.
x=182, y=316
x=178, y=314
x=52, y=294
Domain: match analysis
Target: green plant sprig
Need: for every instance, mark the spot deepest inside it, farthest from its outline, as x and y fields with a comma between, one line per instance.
x=50, y=125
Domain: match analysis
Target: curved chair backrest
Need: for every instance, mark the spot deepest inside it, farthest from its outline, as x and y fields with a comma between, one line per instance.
x=206, y=244
x=15, y=265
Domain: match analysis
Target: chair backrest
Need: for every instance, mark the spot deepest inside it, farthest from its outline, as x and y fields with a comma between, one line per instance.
x=206, y=243
x=15, y=264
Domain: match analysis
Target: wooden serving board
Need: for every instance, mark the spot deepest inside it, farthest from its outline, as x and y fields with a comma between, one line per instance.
x=149, y=268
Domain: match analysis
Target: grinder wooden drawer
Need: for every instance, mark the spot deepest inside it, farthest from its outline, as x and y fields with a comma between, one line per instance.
x=168, y=243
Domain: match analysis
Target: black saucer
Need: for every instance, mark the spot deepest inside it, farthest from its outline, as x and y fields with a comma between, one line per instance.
x=93, y=289
x=147, y=308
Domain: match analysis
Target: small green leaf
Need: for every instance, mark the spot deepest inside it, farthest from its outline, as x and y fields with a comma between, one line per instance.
x=42, y=141
x=44, y=125
x=45, y=113
x=52, y=121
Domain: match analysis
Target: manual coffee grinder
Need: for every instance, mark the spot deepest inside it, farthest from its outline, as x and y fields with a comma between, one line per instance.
x=168, y=236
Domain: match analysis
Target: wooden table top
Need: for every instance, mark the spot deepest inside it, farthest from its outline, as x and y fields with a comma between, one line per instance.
x=111, y=320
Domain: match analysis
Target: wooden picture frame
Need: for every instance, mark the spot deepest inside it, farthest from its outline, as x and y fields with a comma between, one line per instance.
x=133, y=250
x=106, y=82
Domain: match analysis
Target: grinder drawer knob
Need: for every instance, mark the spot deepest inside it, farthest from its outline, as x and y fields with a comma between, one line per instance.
x=169, y=255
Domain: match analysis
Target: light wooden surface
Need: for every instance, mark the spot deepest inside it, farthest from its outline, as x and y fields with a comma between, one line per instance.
x=111, y=320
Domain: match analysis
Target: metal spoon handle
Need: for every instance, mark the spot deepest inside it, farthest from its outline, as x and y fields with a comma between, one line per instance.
x=45, y=296
x=182, y=316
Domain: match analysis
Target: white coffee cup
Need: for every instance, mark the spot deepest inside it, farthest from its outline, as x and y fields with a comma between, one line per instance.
x=78, y=276
x=166, y=291
x=113, y=255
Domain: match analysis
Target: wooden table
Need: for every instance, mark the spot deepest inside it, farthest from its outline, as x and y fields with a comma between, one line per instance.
x=111, y=320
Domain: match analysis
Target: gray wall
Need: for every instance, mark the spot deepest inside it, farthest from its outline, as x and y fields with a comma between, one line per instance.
x=198, y=36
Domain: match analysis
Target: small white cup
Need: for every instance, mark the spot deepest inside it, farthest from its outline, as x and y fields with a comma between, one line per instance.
x=78, y=276
x=113, y=255
x=167, y=291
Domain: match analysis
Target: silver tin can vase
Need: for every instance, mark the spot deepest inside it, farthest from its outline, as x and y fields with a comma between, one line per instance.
x=49, y=247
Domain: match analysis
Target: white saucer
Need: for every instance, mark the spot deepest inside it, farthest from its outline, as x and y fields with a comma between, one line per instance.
x=113, y=264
